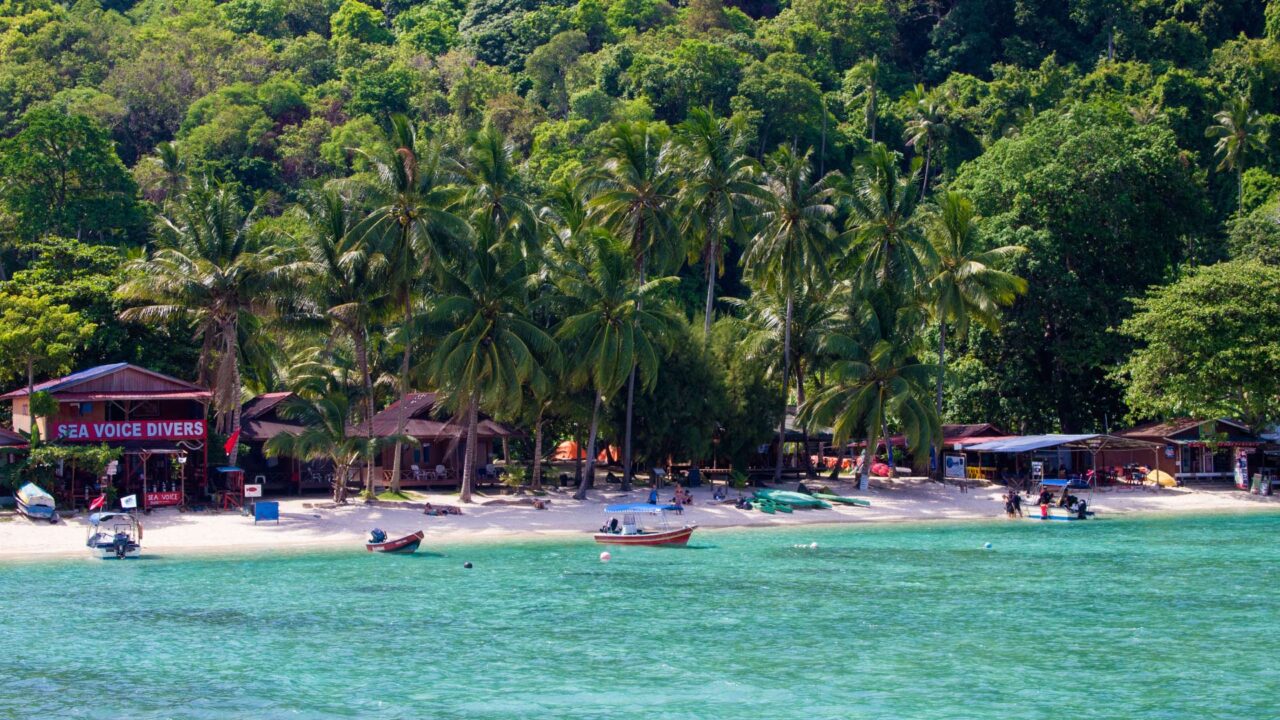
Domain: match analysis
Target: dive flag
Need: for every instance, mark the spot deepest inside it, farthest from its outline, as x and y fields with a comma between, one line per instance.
x=129, y=502
x=98, y=502
x=231, y=441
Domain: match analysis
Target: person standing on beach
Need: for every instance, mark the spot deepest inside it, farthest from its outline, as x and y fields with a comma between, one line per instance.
x=1017, y=502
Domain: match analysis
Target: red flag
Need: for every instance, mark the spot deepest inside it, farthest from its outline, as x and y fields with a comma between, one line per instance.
x=231, y=441
x=98, y=502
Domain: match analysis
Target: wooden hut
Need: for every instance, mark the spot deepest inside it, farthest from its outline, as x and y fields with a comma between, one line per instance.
x=437, y=459
x=159, y=423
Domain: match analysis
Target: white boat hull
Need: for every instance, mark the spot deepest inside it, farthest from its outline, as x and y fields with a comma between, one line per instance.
x=109, y=553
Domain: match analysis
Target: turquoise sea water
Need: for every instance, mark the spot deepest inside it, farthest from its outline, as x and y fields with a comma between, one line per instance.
x=1159, y=618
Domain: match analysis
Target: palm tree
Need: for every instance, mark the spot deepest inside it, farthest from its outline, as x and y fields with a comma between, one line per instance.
x=347, y=283
x=1239, y=133
x=715, y=196
x=211, y=271
x=610, y=331
x=493, y=193
x=927, y=130
x=876, y=378
x=415, y=229
x=492, y=349
x=814, y=316
x=866, y=76
x=324, y=405
x=884, y=232
x=965, y=283
x=637, y=197
x=790, y=251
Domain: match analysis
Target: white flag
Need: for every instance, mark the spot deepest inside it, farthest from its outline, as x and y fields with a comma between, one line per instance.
x=129, y=501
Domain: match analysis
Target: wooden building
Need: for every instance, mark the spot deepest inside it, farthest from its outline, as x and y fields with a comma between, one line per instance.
x=1195, y=450
x=159, y=422
x=437, y=460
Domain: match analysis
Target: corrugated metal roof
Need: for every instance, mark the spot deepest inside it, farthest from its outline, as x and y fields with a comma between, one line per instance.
x=59, y=386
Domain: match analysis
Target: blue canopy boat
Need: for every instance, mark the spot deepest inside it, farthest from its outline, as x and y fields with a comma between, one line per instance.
x=631, y=533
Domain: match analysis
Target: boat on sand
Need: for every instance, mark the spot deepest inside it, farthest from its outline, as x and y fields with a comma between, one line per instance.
x=35, y=503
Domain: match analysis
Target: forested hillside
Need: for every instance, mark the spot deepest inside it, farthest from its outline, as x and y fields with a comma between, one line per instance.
x=1122, y=143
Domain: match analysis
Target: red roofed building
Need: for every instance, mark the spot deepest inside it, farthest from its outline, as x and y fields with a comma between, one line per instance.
x=159, y=422
x=1194, y=450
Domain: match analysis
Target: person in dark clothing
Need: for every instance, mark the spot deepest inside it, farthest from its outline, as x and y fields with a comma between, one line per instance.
x=1017, y=503
x=1082, y=511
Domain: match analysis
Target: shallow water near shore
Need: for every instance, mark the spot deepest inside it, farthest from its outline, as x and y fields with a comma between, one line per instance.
x=1159, y=617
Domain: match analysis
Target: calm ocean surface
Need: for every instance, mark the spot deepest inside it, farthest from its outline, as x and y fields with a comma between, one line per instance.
x=1158, y=618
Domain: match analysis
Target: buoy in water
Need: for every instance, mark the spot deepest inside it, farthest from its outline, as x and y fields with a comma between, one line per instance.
x=466, y=565
x=986, y=546
x=605, y=556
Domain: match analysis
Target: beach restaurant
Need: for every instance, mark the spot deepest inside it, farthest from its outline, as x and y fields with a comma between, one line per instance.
x=1053, y=456
x=158, y=422
x=1196, y=450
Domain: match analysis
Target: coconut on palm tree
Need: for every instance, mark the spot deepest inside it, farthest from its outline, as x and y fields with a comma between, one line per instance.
x=415, y=229
x=612, y=333
x=492, y=350
x=720, y=183
x=965, y=282
x=636, y=197
x=789, y=253
x=211, y=271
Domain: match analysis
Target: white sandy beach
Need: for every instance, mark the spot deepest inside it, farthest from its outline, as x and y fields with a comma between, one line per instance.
x=313, y=522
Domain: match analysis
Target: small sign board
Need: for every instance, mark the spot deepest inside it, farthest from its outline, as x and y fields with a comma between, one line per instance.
x=1037, y=469
x=113, y=467
x=253, y=490
x=129, y=501
x=954, y=466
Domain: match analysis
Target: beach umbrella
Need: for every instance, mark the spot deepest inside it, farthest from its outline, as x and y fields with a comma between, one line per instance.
x=1161, y=478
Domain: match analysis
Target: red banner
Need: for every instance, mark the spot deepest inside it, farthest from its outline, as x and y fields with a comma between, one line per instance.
x=160, y=499
x=128, y=430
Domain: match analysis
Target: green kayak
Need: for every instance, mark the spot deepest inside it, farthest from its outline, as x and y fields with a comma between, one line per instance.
x=765, y=506
x=843, y=499
x=792, y=499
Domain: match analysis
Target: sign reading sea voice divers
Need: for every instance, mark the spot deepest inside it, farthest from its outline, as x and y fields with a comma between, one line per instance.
x=129, y=430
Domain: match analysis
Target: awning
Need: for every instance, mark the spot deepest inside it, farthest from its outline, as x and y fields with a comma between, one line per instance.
x=640, y=508
x=1032, y=443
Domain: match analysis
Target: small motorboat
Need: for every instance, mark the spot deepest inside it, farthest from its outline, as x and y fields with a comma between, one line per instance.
x=114, y=536
x=35, y=503
x=378, y=542
x=629, y=532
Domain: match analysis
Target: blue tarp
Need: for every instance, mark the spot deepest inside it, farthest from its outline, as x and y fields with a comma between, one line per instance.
x=1028, y=443
x=640, y=508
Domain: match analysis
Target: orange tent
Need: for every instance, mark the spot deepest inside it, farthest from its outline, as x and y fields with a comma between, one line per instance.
x=568, y=451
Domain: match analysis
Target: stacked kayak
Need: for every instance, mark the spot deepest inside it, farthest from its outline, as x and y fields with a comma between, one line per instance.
x=843, y=499
x=35, y=503
x=791, y=500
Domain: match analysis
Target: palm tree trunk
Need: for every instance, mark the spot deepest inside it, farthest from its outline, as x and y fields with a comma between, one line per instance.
x=589, y=475
x=711, y=295
x=942, y=366
x=864, y=478
x=536, y=480
x=402, y=416
x=361, y=339
x=804, y=433
x=1240, y=187
x=469, y=462
x=631, y=401
x=924, y=184
x=233, y=392
x=888, y=447
x=339, y=483
x=786, y=369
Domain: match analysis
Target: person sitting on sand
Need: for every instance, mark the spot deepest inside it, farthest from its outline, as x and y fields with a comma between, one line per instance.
x=682, y=496
x=720, y=493
x=539, y=504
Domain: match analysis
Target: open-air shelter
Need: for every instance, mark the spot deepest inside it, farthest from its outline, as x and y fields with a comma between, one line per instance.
x=1092, y=444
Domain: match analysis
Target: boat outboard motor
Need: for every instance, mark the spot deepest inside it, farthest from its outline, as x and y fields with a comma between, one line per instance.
x=1082, y=509
x=121, y=545
x=377, y=536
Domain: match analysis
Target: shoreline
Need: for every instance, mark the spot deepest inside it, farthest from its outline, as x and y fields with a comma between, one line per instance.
x=309, y=525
